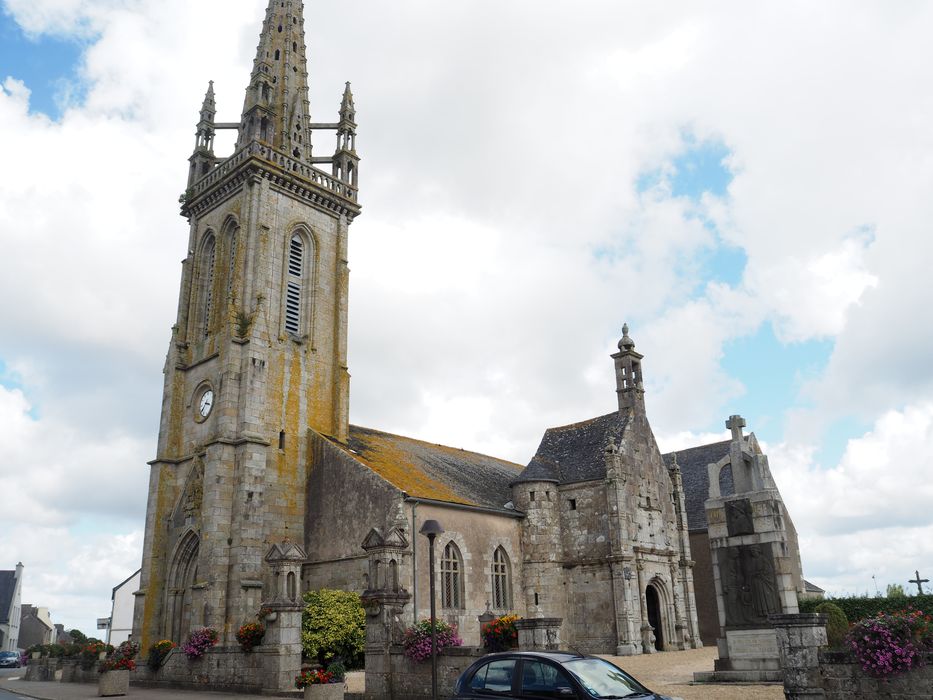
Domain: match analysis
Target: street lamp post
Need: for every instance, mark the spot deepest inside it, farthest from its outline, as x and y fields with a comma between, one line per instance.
x=431, y=529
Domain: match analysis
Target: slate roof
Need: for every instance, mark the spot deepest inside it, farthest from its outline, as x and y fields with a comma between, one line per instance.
x=425, y=470
x=693, y=464
x=812, y=587
x=7, y=589
x=574, y=453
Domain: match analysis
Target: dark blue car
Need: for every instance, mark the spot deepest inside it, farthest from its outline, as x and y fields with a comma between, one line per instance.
x=552, y=674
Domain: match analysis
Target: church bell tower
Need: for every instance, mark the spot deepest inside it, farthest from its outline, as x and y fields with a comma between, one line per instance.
x=258, y=355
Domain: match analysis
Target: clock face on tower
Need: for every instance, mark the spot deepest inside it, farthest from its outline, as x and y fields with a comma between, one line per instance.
x=205, y=402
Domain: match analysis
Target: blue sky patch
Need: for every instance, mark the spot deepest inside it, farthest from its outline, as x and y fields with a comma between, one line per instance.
x=773, y=374
x=725, y=264
x=48, y=66
x=11, y=380
x=700, y=168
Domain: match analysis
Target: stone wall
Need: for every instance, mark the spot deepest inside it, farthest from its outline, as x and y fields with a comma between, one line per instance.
x=704, y=588
x=842, y=678
x=394, y=676
x=228, y=669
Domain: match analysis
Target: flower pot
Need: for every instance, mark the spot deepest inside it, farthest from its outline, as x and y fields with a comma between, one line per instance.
x=113, y=683
x=324, y=691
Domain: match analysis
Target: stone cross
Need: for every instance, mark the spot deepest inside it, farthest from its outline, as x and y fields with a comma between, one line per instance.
x=735, y=424
x=919, y=581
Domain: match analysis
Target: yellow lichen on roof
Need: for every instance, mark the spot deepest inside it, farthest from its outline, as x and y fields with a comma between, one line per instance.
x=394, y=464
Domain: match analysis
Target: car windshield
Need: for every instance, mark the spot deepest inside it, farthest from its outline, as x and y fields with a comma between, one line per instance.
x=603, y=680
x=8, y=655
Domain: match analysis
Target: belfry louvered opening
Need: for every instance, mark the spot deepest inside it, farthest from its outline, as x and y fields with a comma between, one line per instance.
x=293, y=287
x=207, y=283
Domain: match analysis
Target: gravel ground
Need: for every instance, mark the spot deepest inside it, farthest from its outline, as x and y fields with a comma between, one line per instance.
x=671, y=673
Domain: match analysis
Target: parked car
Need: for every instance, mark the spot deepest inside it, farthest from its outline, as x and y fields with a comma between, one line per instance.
x=557, y=674
x=9, y=659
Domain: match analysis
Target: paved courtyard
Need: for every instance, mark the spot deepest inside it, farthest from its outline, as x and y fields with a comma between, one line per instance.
x=671, y=673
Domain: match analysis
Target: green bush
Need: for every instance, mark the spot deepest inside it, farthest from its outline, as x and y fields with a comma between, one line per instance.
x=333, y=627
x=837, y=624
x=858, y=608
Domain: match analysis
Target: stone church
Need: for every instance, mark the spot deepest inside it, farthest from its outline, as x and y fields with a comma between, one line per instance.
x=599, y=529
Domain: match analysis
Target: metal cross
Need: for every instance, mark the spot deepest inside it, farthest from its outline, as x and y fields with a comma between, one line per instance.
x=919, y=581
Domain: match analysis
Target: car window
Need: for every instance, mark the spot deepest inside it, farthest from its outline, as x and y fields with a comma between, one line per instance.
x=494, y=677
x=603, y=679
x=544, y=680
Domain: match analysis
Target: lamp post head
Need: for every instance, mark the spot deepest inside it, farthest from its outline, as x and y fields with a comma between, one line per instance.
x=431, y=529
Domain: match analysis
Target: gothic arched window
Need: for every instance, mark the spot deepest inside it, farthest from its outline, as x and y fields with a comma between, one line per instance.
x=501, y=580
x=206, y=277
x=451, y=577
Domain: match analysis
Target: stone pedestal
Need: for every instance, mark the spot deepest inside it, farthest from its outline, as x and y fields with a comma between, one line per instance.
x=799, y=638
x=539, y=634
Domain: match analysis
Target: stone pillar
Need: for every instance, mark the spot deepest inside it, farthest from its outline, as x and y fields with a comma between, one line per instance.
x=385, y=602
x=799, y=639
x=283, y=603
x=539, y=633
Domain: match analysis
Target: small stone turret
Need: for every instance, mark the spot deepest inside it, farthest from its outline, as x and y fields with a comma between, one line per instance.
x=345, y=159
x=535, y=494
x=203, y=160
x=629, y=386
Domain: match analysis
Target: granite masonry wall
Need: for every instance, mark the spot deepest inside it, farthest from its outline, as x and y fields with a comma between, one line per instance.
x=220, y=669
x=842, y=679
x=395, y=676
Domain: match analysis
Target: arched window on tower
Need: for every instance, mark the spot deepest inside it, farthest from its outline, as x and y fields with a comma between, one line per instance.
x=295, y=280
x=206, y=277
x=451, y=578
x=501, y=580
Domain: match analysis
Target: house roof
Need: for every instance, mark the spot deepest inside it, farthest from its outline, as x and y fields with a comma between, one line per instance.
x=693, y=465
x=437, y=472
x=576, y=452
x=120, y=585
x=7, y=591
x=812, y=587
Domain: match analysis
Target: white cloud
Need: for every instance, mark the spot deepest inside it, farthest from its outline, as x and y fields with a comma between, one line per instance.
x=870, y=513
x=503, y=241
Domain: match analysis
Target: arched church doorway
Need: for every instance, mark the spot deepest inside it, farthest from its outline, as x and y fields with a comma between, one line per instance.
x=183, y=577
x=653, y=601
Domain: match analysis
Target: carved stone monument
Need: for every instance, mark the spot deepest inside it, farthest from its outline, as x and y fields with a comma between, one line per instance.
x=754, y=573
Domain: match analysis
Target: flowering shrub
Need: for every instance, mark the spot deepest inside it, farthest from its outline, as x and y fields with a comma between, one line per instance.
x=313, y=677
x=250, y=635
x=890, y=643
x=500, y=634
x=158, y=652
x=91, y=653
x=417, y=642
x=199, y=642
x=123, y=658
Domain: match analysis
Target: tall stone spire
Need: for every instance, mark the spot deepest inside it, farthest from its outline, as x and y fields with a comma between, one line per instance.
x=277, y=109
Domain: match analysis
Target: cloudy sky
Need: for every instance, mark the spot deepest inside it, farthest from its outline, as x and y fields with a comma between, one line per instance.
x=748, y=184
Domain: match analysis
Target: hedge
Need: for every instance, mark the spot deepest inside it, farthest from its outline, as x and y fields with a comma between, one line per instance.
x=858, y=608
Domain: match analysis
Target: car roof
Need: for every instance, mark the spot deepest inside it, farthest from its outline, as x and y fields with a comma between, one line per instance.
x=559, y=656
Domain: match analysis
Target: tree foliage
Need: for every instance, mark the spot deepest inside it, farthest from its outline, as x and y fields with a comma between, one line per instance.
x=895, y=590
x=333, y=627
x=837, y=624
